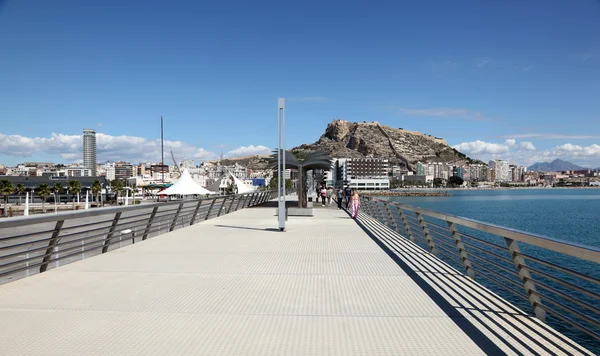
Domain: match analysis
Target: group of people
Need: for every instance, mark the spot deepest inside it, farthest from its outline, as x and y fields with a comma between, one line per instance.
x=342, y=195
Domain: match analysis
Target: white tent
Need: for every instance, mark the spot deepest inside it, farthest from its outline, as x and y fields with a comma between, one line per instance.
x=241, y=187
x=185, y=185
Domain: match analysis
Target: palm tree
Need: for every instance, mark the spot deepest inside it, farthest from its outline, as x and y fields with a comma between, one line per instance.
x=44, y=191
x=6, y=188
x=96, y=188
x=20, y=189
x=117, y=186
x=74, y=187
x=314, y=160
x=57, y=188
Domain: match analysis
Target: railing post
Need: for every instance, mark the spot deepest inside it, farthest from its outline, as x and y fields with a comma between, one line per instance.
x=379, y=211
x=149, y=224
x=391, y=216
x=51, y=245
x=239, y=201
x=111, y=232
x=251, y=200
x=370, y=207
x=525, y=276
x=428, y=236
x=406, y=226
x=193, y=220
x=462, y=252
x=230, y=205
x=210, y=208
x=222, y=205
x=172, y=227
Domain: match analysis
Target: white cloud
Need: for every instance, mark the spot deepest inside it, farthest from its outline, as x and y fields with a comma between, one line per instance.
x=510, y=142
x=552, y=136
x=591, y=151
x=249, y=151
x=525, y=152
x=112, y=148
x=445, y=112
x=527, y=146
x=481, y=147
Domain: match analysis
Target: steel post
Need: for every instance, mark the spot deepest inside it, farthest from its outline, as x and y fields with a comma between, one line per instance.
x=149, y=224
x=193, y=220
x=172, y=227
x=525, y=276
x=462, y=252
x=428, y=236
x=111, y=232
x=51, y=245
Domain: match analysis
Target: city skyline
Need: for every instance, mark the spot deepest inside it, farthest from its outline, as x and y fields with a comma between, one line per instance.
x=523, y=92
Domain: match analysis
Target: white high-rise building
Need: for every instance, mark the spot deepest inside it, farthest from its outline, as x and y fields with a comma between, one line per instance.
x=89, y=150
x=502, y=170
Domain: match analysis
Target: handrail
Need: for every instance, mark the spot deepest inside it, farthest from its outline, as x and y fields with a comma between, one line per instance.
x=577, y=296
x=66, y=215
x=28, y=242
x=575, y=249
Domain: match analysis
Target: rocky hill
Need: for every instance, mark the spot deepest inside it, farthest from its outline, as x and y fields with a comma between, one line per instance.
x=403, y=147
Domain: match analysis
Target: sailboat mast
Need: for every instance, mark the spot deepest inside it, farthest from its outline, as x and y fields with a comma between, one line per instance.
x=162, y=150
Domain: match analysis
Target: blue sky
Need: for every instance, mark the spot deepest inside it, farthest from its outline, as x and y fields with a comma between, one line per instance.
x=507, y=79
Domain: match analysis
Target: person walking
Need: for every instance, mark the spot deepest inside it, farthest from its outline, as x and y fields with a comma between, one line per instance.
x=323, y=194
x=355, y=200
x=340, y=196
x=347, y=194
x=329, y=195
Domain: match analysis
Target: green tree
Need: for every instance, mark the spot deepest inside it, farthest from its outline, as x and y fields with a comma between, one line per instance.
x=474, y=184
x=74, y=187
x=96, y=188
x=44, y=191
x=20, y=189
x=437, y=182
x=456, y=181
x=117, y=187
x=57, y=189
x=273, y=184
x=6, y=188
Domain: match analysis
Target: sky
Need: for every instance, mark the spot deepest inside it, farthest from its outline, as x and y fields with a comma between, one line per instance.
x=506, y=79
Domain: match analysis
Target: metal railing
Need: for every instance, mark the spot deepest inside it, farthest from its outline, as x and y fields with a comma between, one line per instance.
x=34, y=244
x=557, y=280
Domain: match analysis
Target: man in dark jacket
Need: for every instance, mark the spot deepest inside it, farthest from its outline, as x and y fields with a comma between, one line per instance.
x=347, y=194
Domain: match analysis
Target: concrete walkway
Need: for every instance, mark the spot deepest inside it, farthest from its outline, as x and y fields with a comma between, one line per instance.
x=235, y=286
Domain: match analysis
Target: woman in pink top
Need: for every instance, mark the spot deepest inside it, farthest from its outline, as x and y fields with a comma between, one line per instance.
x=355, y=203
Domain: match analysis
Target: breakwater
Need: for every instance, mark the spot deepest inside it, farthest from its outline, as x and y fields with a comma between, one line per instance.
x=400, y=193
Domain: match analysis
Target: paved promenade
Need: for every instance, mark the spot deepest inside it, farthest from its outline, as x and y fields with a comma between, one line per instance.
x=233, y=285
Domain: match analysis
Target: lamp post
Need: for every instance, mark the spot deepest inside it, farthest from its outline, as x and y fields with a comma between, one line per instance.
x=281, y=163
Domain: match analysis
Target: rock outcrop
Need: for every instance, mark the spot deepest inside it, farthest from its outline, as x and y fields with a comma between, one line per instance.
x=401, y=147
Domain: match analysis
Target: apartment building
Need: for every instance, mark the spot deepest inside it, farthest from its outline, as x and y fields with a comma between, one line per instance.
x=502, y=172
x=361, y=173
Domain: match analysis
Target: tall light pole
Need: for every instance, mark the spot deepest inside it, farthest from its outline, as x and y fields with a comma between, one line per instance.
x=162, y=150
x=281, y=163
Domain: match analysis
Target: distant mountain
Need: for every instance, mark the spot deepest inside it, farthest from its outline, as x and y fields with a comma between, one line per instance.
x=555, y=166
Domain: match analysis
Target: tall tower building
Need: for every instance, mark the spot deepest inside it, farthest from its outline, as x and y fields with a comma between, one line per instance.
x=89, y=150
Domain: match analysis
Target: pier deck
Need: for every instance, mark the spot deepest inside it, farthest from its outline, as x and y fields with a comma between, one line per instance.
x=234, y=285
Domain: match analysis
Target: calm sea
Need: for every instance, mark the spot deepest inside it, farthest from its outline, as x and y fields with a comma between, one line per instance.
x=567, y=214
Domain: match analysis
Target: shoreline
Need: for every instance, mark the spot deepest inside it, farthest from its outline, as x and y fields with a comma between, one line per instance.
x=393, y=193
